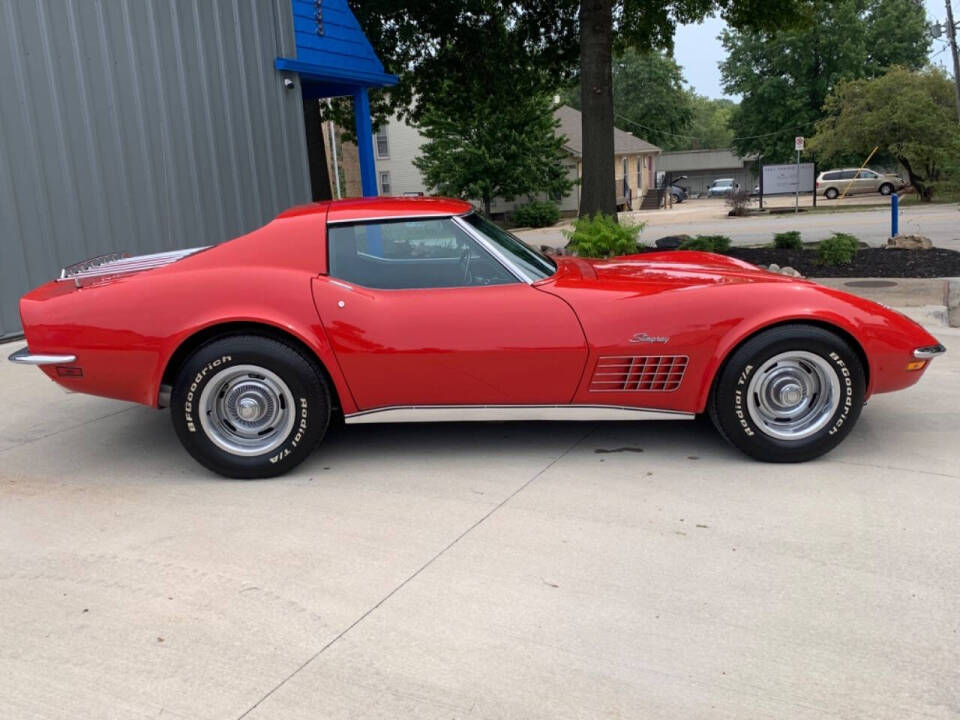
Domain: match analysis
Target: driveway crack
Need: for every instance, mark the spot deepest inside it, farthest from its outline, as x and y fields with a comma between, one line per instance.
x=417, y=572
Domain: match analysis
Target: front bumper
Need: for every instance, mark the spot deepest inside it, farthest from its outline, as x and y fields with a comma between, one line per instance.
x=928, y=352
x=24, y=357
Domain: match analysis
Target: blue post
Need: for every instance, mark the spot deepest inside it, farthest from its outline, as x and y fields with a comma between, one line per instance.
x=894, y=215
x=368, y=168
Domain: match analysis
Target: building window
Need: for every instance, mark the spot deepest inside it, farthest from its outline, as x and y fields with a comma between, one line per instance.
x=383, y=147
x=385, y=183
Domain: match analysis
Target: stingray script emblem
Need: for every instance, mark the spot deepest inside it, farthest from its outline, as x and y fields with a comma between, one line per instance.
x=644, y=338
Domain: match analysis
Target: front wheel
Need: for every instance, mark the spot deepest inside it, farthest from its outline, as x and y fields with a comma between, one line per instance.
x=886, y=189
x=789, y=394
x=249, y=406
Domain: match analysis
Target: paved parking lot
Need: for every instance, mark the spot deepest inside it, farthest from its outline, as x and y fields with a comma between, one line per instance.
x=504, y=570
x=939, y=222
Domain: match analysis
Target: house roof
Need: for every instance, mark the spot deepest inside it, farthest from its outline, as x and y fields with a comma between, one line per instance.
x=624, y=143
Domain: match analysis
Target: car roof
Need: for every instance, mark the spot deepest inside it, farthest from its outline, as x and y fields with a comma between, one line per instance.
x=723, y=180
x=371, y=208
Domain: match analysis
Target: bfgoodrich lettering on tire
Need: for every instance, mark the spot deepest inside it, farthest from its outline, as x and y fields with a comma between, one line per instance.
x=250, y=407
x=789, y=394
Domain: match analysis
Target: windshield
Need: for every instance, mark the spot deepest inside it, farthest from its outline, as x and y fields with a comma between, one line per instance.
x=534, y=264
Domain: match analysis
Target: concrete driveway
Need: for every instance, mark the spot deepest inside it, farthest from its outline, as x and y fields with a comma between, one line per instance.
x=505, y=570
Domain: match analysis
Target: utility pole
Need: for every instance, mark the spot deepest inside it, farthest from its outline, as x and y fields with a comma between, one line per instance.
x=952, y=37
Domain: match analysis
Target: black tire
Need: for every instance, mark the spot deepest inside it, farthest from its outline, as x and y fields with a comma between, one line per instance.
x=886, y=189
x=299, y=410
x=734, y=412
x=831, y=194
x=676, y=199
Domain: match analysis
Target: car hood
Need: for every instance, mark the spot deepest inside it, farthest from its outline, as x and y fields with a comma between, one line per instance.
x=676, y=269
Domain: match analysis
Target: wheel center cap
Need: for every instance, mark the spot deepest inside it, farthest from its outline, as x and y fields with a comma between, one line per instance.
x=248, y=408
x=790, y=394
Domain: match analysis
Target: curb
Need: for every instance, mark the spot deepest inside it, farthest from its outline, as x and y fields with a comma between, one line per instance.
x=951, y=298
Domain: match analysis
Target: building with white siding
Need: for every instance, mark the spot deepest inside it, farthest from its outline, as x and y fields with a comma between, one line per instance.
x=397, y=144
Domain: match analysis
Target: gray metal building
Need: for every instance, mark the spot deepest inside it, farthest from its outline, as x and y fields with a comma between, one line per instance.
x=140, y=126
x=702, y=167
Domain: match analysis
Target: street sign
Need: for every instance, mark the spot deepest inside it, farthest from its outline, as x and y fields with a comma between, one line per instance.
x=798, y=143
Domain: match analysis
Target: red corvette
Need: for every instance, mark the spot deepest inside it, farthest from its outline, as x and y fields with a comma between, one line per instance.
x=407, y=310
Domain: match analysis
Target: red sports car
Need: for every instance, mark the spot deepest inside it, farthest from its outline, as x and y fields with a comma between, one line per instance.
x=419, y=309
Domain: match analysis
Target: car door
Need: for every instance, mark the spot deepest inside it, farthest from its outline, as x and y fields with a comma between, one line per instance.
x=418, y=312
x=867, y=182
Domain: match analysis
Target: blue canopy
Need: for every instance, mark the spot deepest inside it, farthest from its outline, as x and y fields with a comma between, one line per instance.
x=334, y=59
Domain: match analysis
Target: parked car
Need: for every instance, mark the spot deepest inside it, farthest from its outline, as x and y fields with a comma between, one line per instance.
x=832, y=183
x=419, y=309
x=679, y=192
x=722, y=187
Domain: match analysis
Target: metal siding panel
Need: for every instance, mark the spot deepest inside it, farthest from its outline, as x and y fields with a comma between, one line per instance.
x=141, y=125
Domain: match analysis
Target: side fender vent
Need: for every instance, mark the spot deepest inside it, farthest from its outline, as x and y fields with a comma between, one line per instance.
x=641, y=373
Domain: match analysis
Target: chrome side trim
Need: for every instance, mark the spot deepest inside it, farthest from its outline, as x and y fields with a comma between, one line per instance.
x=486, y=413
x=931, y=351
x=493, y=249
x=23, y=357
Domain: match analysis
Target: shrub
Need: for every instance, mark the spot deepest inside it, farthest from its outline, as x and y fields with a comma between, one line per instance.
x=788, y=240
x=739, y=203
x=602, y=236
x=838, y=249
x=536, y=214
x=707, y=243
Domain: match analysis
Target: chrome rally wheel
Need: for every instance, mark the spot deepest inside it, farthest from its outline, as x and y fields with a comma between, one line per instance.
x=247, y=410
x=793, y=395
x=788, y=394
x=248, y=406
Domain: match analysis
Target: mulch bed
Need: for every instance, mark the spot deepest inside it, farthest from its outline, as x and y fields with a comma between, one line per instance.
x=868, y=262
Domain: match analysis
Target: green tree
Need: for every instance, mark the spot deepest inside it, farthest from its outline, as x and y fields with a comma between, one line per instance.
x=492, y=148
x=910, y=115
x=649, y=97
x=545, y=44
x=785, y=77
x=709, y=126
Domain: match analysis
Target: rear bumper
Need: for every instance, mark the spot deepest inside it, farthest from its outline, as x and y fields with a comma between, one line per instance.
x=23, y=356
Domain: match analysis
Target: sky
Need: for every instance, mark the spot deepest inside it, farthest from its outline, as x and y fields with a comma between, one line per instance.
x=699, y=52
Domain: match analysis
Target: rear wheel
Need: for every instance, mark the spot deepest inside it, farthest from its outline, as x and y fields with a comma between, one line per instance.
x=249, y=406
x=831, y=194
x=789, y=394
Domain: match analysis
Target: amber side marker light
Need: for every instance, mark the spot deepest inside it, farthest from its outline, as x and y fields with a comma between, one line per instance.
x=916, y=365
x=67, y=371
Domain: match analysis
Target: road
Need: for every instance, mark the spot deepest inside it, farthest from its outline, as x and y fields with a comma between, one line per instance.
x=941, y=223
x=528, y=570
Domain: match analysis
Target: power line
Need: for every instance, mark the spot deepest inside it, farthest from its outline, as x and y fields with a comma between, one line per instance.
x=694, y=137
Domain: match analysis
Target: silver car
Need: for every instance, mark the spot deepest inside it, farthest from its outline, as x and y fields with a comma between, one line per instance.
x=722, y=187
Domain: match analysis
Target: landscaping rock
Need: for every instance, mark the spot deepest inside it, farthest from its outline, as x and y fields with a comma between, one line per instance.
x=774, y=268
x=790, y=271
x=910, y=242
x=671, y=242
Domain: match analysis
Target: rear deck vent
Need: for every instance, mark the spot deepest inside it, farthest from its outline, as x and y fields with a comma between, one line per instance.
x=643, y=373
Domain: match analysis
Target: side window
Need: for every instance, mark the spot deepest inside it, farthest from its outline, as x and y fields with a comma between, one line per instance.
x=407, y=254
x=831, y=176
x=848, y=174
x=868, y=175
